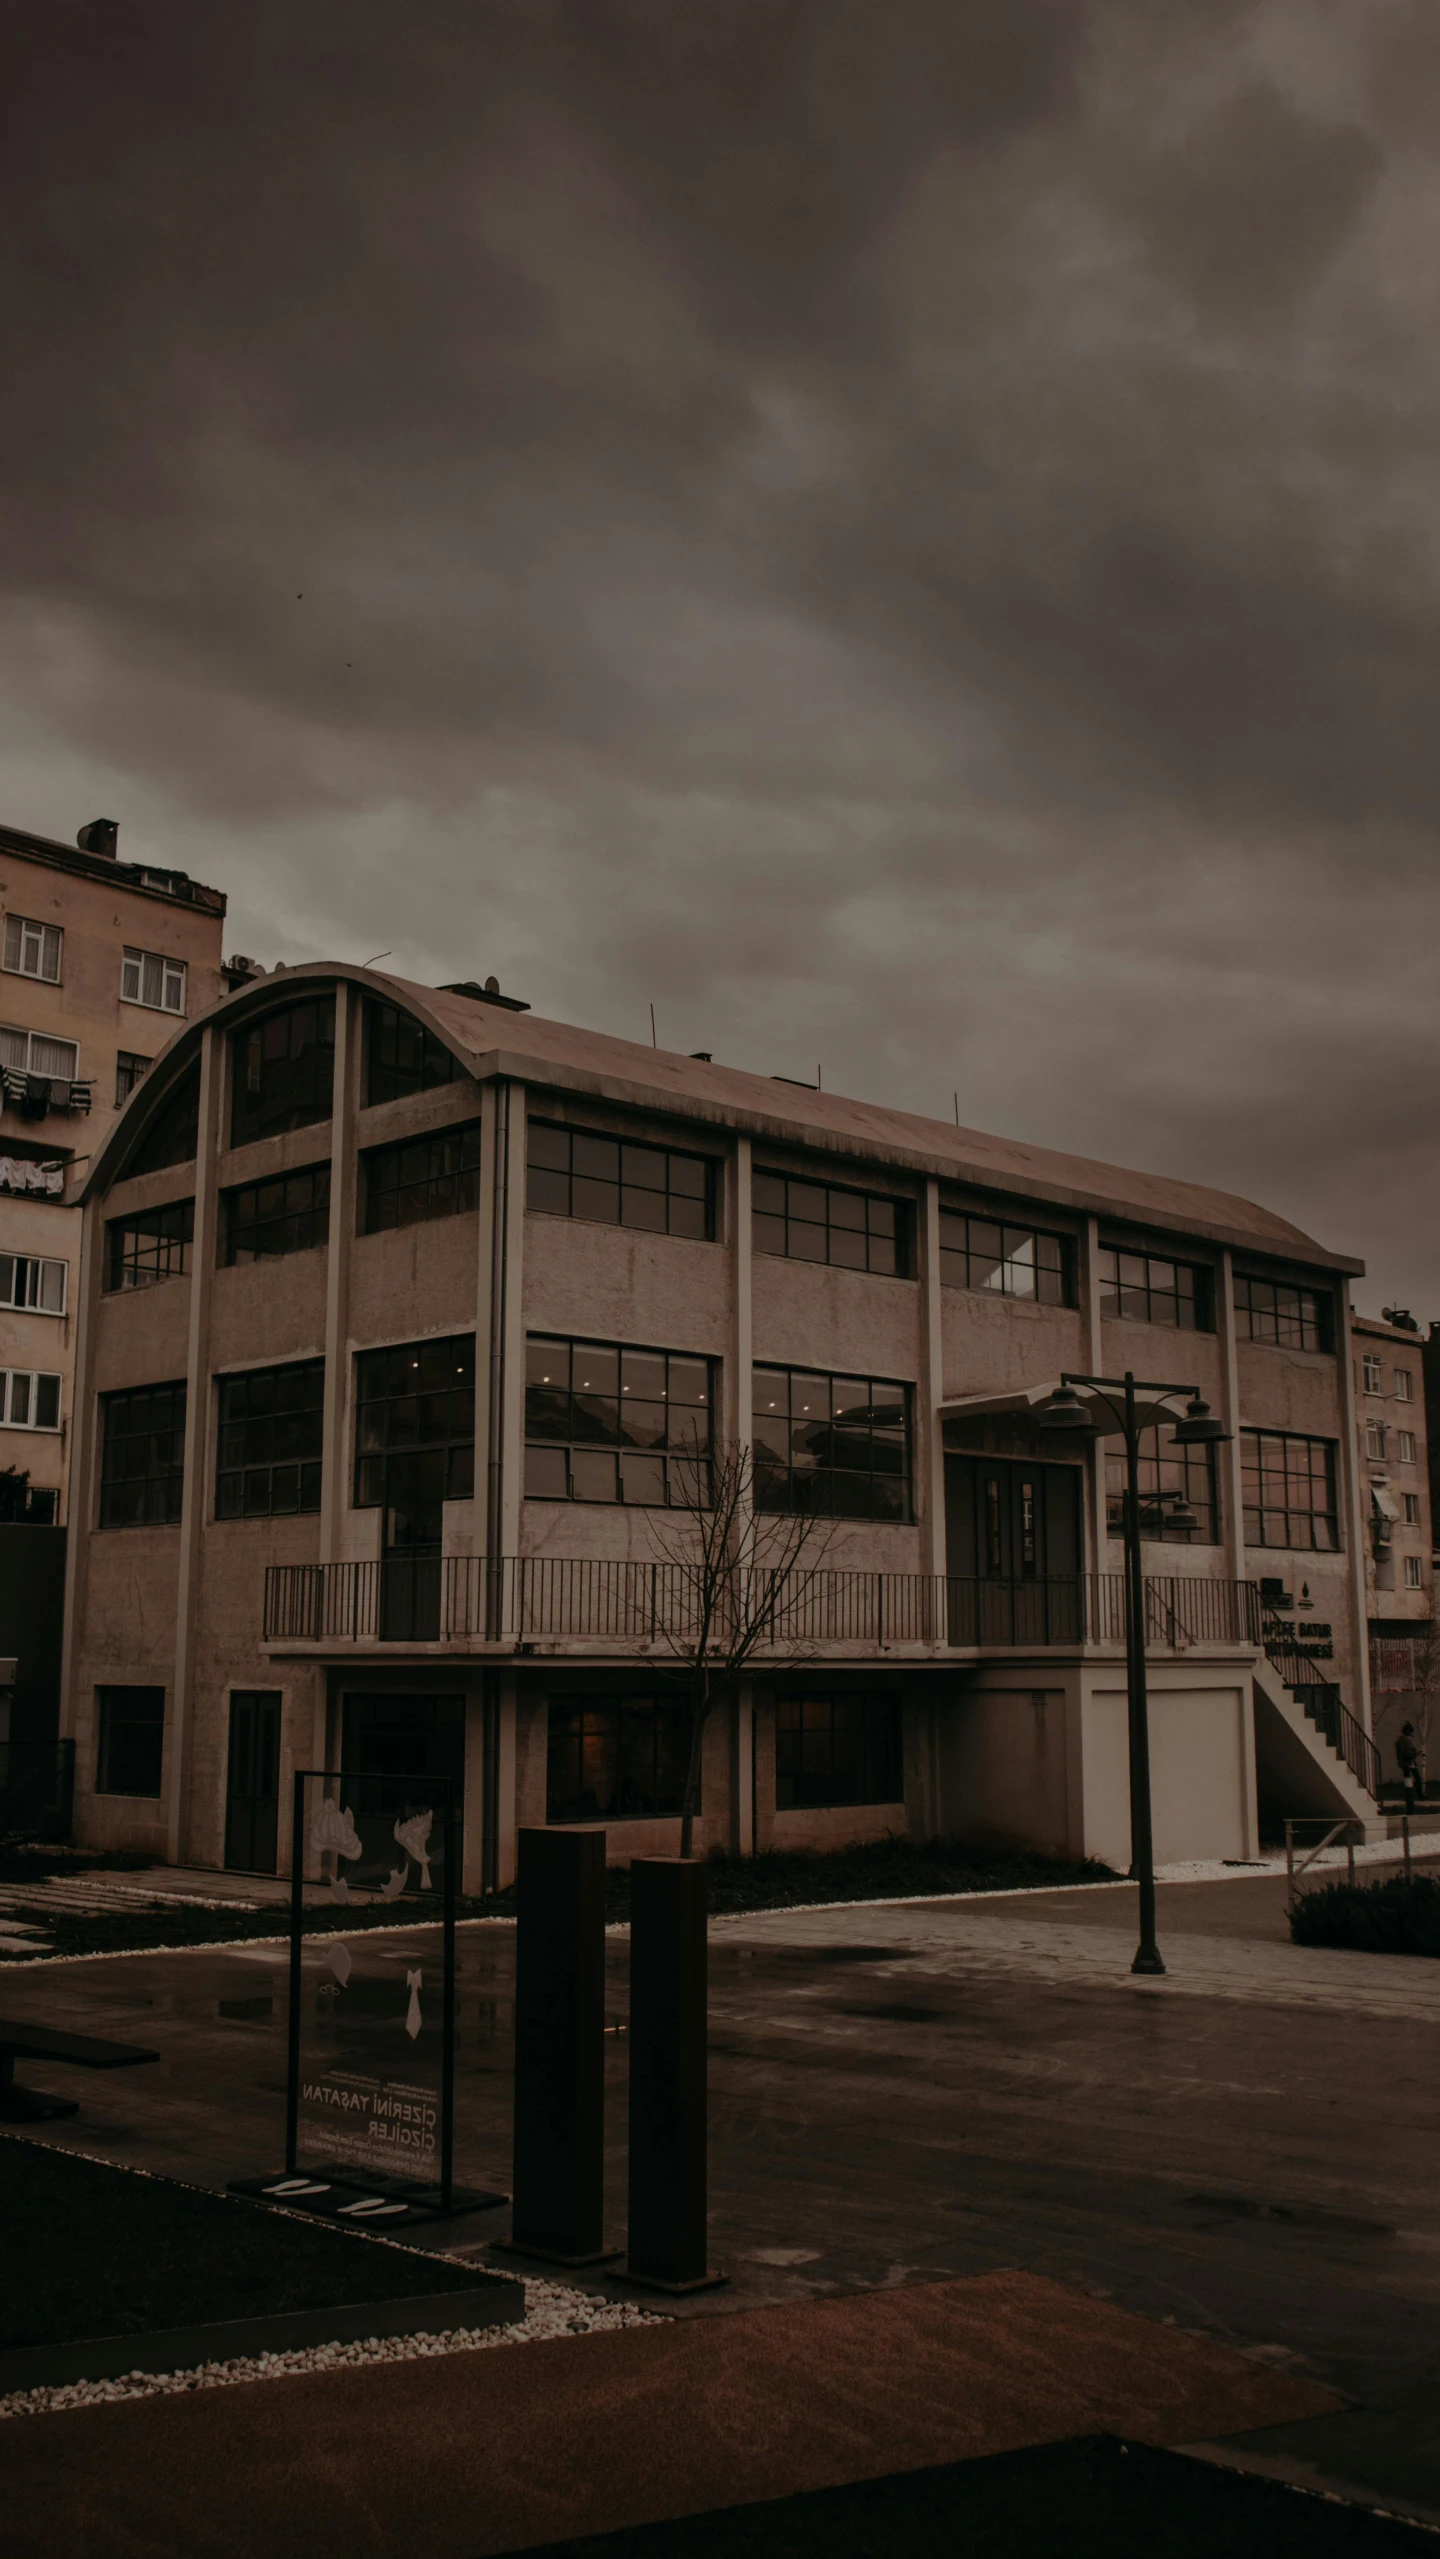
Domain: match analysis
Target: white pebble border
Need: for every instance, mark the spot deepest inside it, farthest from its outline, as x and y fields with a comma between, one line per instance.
x=551, y=2310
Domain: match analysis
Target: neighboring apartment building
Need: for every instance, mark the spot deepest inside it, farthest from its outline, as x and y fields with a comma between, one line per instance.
x=1393, y=1440
x=101, y=962
x=402, y=1312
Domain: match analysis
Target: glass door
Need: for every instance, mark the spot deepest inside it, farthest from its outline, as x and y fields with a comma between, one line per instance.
x=252, y=1790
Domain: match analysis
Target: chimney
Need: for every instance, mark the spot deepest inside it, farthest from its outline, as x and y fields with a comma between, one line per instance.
x=102, y=836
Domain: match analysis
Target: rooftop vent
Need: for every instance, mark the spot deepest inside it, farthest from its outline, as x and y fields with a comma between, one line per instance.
x=102, y=835
x=489, y=993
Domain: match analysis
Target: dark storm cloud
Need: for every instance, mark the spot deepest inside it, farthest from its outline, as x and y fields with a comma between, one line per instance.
x=907, y=535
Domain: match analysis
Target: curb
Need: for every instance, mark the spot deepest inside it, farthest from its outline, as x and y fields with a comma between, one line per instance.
x=497, y=2303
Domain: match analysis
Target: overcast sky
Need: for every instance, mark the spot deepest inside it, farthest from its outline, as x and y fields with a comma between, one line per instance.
x=905, y=534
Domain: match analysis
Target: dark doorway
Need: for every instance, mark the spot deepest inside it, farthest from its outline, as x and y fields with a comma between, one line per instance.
x=412, y=1564
x=387, y=1741
x=414, y=1451
x=252, y=1790
x=1013, y=1551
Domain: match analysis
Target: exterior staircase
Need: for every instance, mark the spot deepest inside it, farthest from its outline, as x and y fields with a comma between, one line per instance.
x=1342, y=1762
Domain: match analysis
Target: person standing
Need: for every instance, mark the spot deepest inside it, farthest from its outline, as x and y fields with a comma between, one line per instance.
x=1407, y=1754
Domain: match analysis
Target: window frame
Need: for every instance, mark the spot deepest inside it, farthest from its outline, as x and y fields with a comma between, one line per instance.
x=34, y=1379
x=50, y=936
x=130, y=1069
x=370, y=1486
x=766, y=1372
x=678, y=1201
x=312, y=1108
x=1061, y=1269
x=880, y=1753
x=1310, y=1317
x=1257, y=1513
x=1404, y=1386
x=899, y=1241
x=669, y=1472
x=1113, y=1291
x=1375, y=1439
x=153, y=1725
x=232, y=1255
x=54, y=1074
x=438, y=1065
x=1414, y=1572
x=660, y=1711
x=1406, y=1448
x=463, y=1177
x=1410, y=1504
x=1372, y=1373
x=1156, y=1464
x=168, y=1481
x=34, y=1263
x=134, y=964
x=172, y=1135
x=306, y=1462
x=114, y=1282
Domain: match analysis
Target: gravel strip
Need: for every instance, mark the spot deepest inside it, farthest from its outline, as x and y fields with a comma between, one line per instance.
x=551, y=2310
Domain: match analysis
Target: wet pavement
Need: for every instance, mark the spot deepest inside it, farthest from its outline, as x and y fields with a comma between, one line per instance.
x=901, y=2092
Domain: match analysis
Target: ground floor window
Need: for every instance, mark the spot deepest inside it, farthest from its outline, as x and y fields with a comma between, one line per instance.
x=132, y=1728
x=616, y=1758
x=837, y=1750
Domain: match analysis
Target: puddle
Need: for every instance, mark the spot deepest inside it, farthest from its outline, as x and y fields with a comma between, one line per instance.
x=1345, y=2225
x=899, y=2012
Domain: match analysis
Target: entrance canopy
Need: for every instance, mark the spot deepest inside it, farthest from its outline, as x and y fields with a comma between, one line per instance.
x=1022, y=1403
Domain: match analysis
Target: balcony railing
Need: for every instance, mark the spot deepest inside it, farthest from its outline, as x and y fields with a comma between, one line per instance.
x=435, y=1599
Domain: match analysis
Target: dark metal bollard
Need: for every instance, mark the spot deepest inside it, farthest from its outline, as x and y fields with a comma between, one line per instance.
x=668, y=1999
x=559, y=2048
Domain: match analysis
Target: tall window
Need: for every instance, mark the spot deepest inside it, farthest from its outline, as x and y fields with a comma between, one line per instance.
x=1375, y=1440
x=1294, y=1319
x=130, y=1066
x=616, y=1758
x=401, y=1056
x=1372, y=1374
x=32, y=950
x=283, y=1071
x=1404, y=1386
x=174, y=1134
x=1405, y=1448
x=1414, y=1572
x=837, y=1750
x=1289, y=1488
x=415, y=1433
x=1412, y=1510
x=149, y=978
x=259, y=1220
x=610, y=1424
x=818, y=1222
x=132, y=1735
x=421, y=1178
x=1149, y=1288
x=29, y=1399
x=150, y=1244
x=1015, y=1261
x=618, y=1182
x=142, y=1456
x=271, y=1434
x=1176, y=1485
x=838, y=1446
x=26, y=1280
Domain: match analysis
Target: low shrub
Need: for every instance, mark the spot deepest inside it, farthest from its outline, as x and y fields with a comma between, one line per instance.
x=1399, y=1917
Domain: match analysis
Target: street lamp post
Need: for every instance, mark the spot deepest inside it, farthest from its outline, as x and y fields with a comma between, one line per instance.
x=1199, y=1427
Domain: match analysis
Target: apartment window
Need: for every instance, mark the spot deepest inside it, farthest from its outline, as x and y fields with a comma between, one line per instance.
x=416, y=1422
x=1173, y=1482
x=1372, y=1374
x=32, y=950
x=35, y=1053
x=1412, y=1510
x=605, y=1423
x=291, y=1214
x=132, y=1735
x=838, y=1446
x=29, y=1399
x=619, y=1183
x=421, y=1178
x=149, y=978
x=401, y=1056
x=1404, y=1386
x=283, y=1071
x=1294, y=1319
x=616, y=1759
x=142, y=1456
x=150, y=1244
x=1289, y=1491
x=271, y=1425
x=1414, y=1573
x=26, y=1280
x=173, y=1136
x=815, y=1222
x=1014, y=1261
x=1405, y=1447
x=837, y=1750
x=1148, y=1288
x=129, y=1068
x=1375, y=1440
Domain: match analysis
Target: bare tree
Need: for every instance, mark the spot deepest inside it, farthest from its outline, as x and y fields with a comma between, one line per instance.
x=737, y=1577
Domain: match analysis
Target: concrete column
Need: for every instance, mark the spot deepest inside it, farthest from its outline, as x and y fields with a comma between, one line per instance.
x=513, y=1336
x=742, y=1772
x=1089, y=1274
x=500, y=1346
x=198, y=1437
x=76, y=1717
x=339, y=1366
x=505, y=1822
x=929, y=1432
x=736, y=1416
x=1352, y=1488
x=1228, y=1456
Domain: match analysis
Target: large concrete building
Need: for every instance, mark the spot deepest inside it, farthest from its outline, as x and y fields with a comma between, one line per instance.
x=402, y=1311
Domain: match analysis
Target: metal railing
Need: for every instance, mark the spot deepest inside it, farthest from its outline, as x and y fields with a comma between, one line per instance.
x=1323, y=1703
x=432, y=1599
x=37, y=1789
x=1315, y=1847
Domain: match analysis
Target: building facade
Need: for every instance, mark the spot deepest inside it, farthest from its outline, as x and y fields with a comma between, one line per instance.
x=101, y=962
x=1395, y=1460
x=408, y=1318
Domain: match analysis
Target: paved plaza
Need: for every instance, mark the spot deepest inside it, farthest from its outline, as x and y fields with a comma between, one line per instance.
x=908, y=2092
